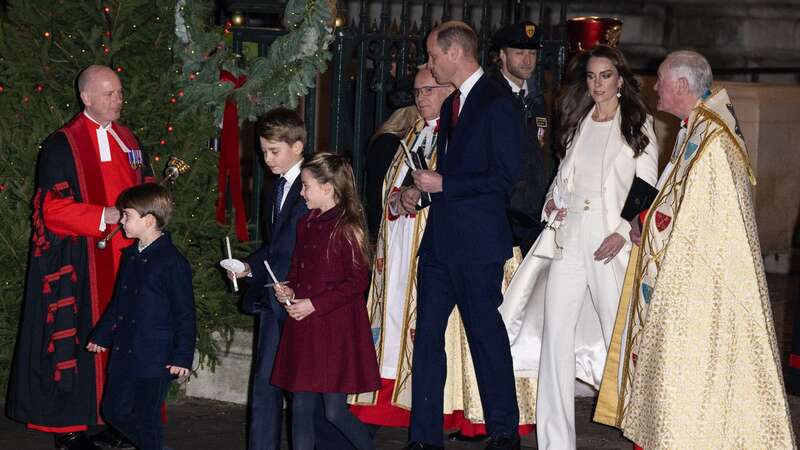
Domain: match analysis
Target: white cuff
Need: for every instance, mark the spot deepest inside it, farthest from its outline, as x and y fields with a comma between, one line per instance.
x=103, y=220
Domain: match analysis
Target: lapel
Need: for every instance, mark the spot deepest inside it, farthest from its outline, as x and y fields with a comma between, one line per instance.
x=470, y=110
x=444, y=130
x=614, y=146
x=288, y=206
x=611, y=149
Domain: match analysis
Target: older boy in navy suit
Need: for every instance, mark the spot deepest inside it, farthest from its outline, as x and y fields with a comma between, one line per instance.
x=150, y=322
x=466, y=241
x=282, y=135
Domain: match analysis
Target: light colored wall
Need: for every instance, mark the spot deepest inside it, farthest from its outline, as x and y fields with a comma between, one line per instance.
x=769, y=117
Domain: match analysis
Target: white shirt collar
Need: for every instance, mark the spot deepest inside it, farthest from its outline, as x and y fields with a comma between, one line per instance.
x=467, y=86
x=514, y=88
x=432, y=123
x=102, y=138
x=292, y=174
x=98, y=123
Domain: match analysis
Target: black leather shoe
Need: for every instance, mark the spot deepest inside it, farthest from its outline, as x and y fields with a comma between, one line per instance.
x=75, y=441
x=503, y=443
x=458, y=437
x=421, y=446
x=112, y=439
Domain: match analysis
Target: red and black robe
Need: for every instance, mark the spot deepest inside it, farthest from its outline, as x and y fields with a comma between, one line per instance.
x=56, y=385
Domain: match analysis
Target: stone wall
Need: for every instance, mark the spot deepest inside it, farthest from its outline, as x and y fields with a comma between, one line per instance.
x=769, y=116
x=732, y=34
x=230, y=379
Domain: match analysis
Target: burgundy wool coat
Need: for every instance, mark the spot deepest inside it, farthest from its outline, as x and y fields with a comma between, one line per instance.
x=331, y=349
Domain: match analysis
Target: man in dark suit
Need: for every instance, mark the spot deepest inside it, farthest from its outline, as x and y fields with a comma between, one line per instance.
x=466, y=241
x=519, y=45
x=282, y=135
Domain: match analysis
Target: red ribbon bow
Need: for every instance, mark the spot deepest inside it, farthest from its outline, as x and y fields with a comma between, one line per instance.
x=229, y=170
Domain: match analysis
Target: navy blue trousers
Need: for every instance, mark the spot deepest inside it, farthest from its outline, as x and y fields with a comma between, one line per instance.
x=266, y=401
x=475, y=289
x=133, y=406
x=306, y=407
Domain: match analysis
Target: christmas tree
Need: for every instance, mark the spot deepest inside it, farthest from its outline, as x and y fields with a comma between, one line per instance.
x=43, y=46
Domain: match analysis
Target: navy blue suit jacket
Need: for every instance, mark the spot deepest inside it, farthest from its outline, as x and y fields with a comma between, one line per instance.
x=479, y=164
x=278, y=246
x=150, y=321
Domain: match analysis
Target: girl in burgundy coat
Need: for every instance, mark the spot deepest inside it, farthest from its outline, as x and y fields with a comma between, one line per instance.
x=326, y=348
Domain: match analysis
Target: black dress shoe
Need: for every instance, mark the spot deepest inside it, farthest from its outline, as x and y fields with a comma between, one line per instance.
x=421, y=446
x=112, y=439
x=457, y=436
x=75, y=441
x=503, y=443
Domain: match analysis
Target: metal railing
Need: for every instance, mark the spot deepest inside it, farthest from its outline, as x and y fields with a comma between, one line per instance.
x=371, y=55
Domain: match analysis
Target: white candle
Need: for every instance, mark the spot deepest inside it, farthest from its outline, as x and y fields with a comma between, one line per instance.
x=230, y=256
x=274, y=278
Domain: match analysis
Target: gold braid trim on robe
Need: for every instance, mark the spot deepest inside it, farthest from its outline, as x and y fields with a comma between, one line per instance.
x=700, y=365
x=461, y=387
x=376, y=300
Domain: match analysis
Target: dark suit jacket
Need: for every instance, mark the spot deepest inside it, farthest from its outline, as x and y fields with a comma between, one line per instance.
x=527, y=200
x=151, y=320
x=479, y=165
x=278, y=245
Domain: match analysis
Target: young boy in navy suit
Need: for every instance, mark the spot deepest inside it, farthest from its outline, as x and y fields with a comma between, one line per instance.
x=150, y=323
x=282, y=136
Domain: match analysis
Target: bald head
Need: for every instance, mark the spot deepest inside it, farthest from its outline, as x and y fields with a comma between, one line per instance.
x=93, y=73
x=101, y=93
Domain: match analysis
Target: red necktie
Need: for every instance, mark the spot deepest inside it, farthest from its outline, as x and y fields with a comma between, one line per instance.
x=454, y=111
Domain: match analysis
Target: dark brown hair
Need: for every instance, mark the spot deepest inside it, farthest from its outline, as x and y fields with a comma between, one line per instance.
x=336, y=170
x=148, y=198
x=574, y=101
x=282, y=125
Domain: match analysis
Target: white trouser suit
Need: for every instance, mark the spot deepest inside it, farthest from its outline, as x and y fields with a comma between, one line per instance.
x=596, y=175
x=575, y=281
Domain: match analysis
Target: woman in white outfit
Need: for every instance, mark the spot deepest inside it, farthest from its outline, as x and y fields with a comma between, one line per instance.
x=606, y=139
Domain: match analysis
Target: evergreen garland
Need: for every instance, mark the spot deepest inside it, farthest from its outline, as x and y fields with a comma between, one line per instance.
x=278, y=79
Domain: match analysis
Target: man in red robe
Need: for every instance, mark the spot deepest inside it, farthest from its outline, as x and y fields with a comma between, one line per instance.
x=56, y=386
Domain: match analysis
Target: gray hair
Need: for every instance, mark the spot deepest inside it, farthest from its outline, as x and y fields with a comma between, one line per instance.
x=694, y=67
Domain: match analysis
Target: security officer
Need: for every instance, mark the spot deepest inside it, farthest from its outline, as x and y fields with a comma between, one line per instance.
x=519, y=45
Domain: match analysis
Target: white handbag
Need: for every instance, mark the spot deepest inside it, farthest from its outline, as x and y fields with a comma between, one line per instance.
x=546, y=246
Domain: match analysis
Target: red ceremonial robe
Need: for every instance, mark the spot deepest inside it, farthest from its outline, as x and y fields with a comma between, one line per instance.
x=56, y=385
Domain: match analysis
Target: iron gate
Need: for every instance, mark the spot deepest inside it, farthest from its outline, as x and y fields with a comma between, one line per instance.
x=372, y=53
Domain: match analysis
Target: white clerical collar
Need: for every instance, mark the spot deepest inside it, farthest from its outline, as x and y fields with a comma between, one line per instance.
x=98, y=123
x=432, y=123
x=514, y=88
x=467, y=86
x=292, y=173
x=102, y=139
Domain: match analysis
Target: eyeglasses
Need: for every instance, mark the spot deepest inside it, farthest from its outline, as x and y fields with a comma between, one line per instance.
x=426, y=90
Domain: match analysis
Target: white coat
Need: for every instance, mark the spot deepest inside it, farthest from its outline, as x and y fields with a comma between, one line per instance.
x=523, y=303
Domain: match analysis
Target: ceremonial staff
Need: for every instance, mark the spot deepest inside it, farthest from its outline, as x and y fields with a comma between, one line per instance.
x=175, y=168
